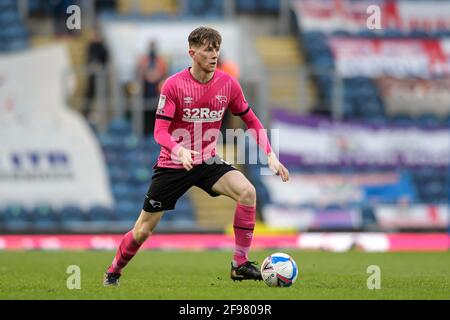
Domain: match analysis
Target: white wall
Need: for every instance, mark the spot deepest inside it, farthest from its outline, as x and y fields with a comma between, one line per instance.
x=128, y=40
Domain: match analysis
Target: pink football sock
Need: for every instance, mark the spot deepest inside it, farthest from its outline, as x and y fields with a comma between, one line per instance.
x=244, y=224
x=127, y=250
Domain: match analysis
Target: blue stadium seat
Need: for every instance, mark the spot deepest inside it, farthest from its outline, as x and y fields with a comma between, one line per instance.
x=313, y=36
x=17, y=218
x=122, y=159
x=377, y=120
x=370, y=108
x=441, y=33
x=393, y=33
x=347, y=109
x=429, y=121
x=434, y=191
x=253, y=171
x=368, y=216
x=34, y=5
x=8, y=5
x=123, y=190
x=213, y=13
x=418, y=34
x=247, y=5
x=118, y=174
x=100, y=213
x=106, y=6
x=119, y=127
x=131, y=142
x=109, y=142
x=263, y=196
x=141, y=189
x=73, y=218
x=45, y=218
x=139, y=157
x=15, y=45
x=424, y=174
x=149, y=140
x=197, y=7
x=270, y=6
x=180, y=221
x=216, y=8
x=402, y=120
x=366, y=33
x=341, y=33
x=183, y=215
x=14, y=31
x=141, y=174
x=183, y=205
x=127, y=210
x=150, y=146
x=111, y=157
x=8, y=17
x=2, y=218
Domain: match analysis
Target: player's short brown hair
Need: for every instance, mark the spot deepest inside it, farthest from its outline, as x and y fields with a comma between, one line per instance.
x=203, y=35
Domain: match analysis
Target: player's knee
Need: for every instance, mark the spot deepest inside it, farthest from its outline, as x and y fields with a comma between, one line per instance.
x=248, y=195
x=141, y=233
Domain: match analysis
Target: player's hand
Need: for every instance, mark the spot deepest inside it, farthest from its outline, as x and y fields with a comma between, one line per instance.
x=277, y=167
x=186, y=157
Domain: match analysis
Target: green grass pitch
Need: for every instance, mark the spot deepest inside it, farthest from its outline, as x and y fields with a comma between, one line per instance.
x=204, y=275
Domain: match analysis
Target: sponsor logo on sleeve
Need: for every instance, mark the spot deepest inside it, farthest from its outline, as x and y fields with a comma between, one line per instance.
x=161, y=104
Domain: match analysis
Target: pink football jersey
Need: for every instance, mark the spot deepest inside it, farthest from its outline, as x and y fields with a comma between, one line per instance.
x=196, y=111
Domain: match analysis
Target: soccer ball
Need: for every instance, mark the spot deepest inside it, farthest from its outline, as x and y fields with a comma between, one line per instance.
x=279, y=270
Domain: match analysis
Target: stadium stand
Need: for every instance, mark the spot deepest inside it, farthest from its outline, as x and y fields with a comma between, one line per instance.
x=13, y=33
x=16, y=218
x=129, y=160
x=363, y=102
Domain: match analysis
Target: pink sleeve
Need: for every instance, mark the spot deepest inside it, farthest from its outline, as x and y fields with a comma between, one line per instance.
x=258, y=132
x=167, y=100
x=239, y=107
x=164, y=116
x=163, y=137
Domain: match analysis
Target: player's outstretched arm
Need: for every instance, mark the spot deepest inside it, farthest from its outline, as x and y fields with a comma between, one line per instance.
x=252, y=122
x=277, y=167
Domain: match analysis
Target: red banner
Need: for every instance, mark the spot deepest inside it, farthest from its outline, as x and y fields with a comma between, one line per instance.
x=396, y=57
x=415, y=96
x=345, y=15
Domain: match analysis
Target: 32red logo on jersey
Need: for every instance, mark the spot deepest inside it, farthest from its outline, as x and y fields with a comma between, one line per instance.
x=202, y=115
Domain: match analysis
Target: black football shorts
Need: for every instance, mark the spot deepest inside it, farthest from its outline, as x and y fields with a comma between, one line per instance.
x=168, y=185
